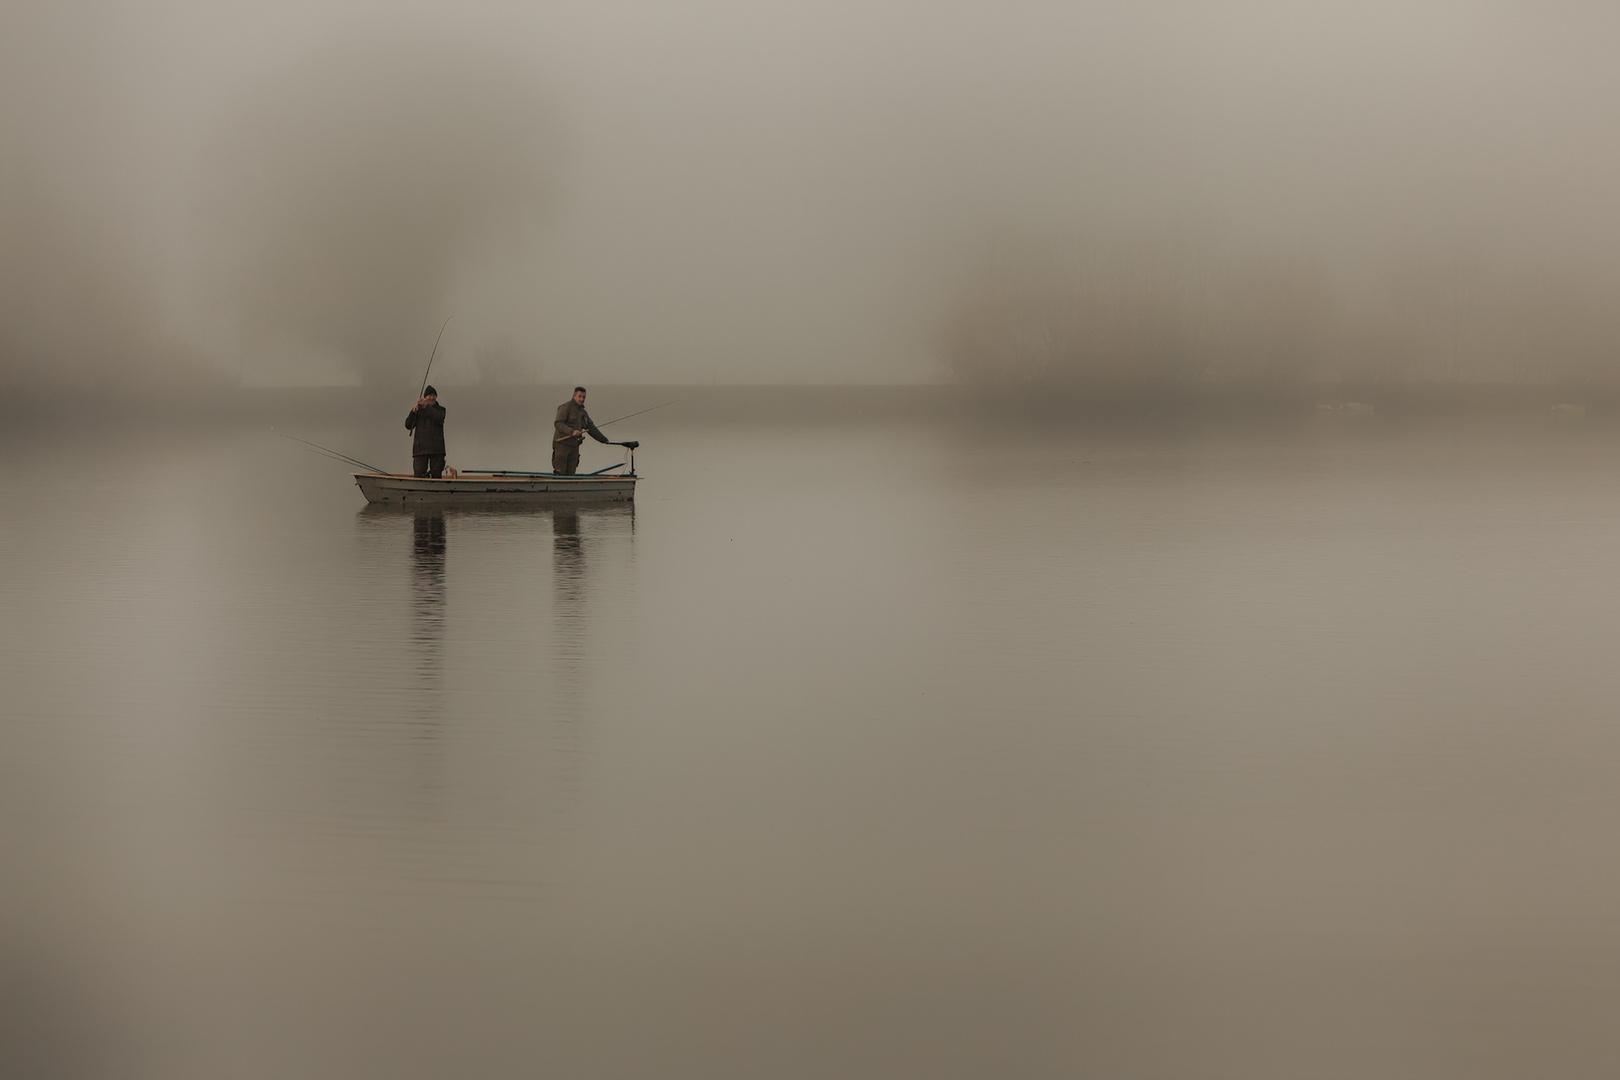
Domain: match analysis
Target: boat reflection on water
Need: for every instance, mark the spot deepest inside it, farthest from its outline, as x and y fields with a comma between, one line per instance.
x=506, y=647
x=590, y=558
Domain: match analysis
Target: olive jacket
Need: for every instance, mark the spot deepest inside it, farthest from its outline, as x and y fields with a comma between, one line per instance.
x=572, y=417
x=428, y=423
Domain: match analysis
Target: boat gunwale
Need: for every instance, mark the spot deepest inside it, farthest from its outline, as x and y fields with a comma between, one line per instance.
x=466, y=489
x=484, y=478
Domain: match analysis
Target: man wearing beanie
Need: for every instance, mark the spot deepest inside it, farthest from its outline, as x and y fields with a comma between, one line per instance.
x=427, y=448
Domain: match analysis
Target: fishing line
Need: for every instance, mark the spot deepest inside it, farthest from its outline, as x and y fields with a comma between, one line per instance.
x=627, y=416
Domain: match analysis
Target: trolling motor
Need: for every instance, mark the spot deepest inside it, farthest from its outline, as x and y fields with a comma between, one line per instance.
x=630, y=453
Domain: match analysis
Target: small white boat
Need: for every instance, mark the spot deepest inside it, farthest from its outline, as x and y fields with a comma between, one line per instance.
x=496, y=487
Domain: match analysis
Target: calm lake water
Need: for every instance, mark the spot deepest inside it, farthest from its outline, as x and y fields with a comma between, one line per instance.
x=858, y=752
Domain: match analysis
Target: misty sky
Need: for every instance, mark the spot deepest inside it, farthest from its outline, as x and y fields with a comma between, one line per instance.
x=741, y=192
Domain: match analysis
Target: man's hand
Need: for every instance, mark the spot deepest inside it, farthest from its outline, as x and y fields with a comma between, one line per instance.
x=577, y=433
x=421, y=401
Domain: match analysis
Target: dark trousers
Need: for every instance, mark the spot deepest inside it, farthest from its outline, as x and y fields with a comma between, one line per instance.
x=564, y=458
x=429, y=465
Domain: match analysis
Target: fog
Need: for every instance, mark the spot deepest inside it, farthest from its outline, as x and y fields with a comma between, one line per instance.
x=1094, y=561
x=743, y=193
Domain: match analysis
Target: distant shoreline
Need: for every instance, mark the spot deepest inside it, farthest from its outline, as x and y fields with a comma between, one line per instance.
x=835, y=405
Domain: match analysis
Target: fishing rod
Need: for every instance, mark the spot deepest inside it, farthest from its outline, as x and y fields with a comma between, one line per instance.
x=616, y=419
x=332, y=457
x=435, y=352
x=335, y=455
x=345, y=459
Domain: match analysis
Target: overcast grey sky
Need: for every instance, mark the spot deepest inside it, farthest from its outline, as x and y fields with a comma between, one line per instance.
x=736, y=191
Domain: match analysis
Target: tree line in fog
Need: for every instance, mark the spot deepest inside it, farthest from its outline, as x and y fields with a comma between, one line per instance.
x=1154, y=313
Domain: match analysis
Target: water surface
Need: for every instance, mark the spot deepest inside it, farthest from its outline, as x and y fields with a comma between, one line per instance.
x=849, y=752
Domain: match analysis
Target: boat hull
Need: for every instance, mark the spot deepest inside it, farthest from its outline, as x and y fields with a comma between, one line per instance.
x=484, y=488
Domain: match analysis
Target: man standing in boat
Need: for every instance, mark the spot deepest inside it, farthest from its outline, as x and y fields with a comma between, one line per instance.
x=427, y=446
x=573, y=424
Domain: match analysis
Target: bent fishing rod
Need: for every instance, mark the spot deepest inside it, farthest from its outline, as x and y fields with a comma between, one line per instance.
x=435, y=352
x=626, y=416
x=333, y=454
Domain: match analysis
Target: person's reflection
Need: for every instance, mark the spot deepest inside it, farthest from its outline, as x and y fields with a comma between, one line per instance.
x=570, y=626
x=568, y=584
x=427, y=594
x=427, y=636
x=575, y=621
x=401, y=780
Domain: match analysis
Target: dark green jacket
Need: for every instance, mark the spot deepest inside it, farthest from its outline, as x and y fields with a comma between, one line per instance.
x=572, y=417
x=428, y=423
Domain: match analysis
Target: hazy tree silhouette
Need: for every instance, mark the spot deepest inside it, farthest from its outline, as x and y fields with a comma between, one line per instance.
x=342, y=192
x=1149, y=312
